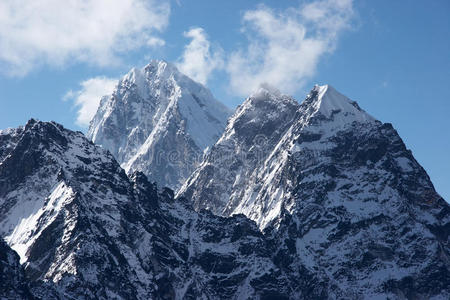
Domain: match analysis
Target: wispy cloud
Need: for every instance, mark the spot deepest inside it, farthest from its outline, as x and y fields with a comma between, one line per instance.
x=155, y=42
x=54, y=32
x=285, y=47
x=199, y=60
x=88, y=97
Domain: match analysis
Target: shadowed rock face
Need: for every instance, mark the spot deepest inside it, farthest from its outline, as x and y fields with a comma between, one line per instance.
x=160, y=122
x=337, y=194
x=13, y=284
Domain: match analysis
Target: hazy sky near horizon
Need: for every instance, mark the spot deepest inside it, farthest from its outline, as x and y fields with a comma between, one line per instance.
x=393, y=57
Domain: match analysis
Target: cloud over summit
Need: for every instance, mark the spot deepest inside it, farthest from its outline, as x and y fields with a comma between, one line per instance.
x=285, y=47
x=88, y=97
x=199, y=60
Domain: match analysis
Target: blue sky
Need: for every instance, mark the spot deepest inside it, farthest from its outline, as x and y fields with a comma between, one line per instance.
x=393, y=57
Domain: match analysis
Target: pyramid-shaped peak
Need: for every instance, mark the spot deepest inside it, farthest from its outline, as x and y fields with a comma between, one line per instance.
x=329, y=99
x=154, y=110
x=155, y=74
x=161, y=70
x=326, y=100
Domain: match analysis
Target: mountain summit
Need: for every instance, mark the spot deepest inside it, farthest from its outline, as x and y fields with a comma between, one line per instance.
x=329, y=103
x=158, y=121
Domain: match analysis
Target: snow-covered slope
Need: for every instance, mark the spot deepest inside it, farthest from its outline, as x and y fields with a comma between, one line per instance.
x=160, y=122
x=256, y=126
x=337, y=193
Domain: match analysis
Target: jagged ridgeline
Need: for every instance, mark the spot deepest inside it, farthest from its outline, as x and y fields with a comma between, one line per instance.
x=336, y=192
x=316, y=200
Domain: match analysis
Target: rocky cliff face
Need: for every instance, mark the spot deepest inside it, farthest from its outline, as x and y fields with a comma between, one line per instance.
x=337, y=193
x=160, y=122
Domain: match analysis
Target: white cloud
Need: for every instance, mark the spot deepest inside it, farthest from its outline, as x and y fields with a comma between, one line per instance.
x=155, y=42
x=34, y=32
x=199, y=60
x=285, y=47
x=88, y=97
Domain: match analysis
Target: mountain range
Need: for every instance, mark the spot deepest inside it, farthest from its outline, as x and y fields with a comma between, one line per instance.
x=172, y=196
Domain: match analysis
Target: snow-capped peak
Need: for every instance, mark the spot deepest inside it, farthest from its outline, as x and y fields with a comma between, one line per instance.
x=161, y=68
x=330, y=103
x=156, y=111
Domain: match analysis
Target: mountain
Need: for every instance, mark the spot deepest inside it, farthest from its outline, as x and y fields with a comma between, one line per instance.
x=61, y=205
x=85, y=230
x=336, y=193
x=251, y=133
x=160, y=122
x=324, y=202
